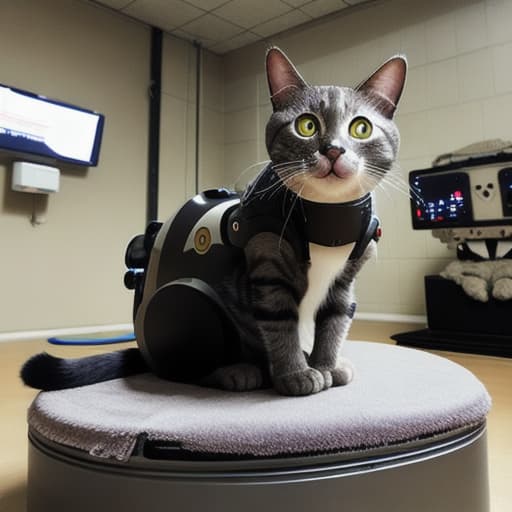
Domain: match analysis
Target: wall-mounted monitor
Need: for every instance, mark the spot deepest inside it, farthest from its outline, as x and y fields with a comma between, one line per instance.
x=48, y=129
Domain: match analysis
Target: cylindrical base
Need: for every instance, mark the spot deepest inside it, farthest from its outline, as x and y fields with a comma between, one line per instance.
x=443, y=476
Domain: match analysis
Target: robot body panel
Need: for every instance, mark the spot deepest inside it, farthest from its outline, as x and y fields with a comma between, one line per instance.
x=194, y=245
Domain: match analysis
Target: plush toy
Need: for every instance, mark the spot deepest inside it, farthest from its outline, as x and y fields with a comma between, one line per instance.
x=481, y=278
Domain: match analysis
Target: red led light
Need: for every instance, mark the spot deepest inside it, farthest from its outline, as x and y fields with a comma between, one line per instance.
x=418, y=213
x=457, y=194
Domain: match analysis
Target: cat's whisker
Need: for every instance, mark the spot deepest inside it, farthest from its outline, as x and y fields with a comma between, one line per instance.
x=372, y=182
x=399, y=187
x=386, y=186
x=396, y=181
x=289, y=214
x=391, y=179
x=385, y=190
x=399, y=182
x=285, y=175
x=289, y=173
x=396, y=177
x=262, y=164
x=391, y=174
x=383, y=169
x=290, y=162
x=285, y=183
x=291, y=170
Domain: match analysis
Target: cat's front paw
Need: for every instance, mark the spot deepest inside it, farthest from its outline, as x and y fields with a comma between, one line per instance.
x=237, y=377
x=304, y=382
x=341, y=375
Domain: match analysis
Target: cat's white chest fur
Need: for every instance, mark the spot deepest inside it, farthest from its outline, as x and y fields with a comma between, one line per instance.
x=326, y=264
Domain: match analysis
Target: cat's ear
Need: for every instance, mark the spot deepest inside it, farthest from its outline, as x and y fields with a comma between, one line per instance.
x=386, y=85
x=283, y=78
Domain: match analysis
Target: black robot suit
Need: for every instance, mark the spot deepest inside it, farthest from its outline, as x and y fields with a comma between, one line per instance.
x=175, y=267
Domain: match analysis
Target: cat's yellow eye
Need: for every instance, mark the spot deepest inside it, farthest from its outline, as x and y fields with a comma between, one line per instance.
x=306, y=126
x=360, y=128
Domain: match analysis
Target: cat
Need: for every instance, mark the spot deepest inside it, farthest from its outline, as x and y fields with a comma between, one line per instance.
x=292, y=300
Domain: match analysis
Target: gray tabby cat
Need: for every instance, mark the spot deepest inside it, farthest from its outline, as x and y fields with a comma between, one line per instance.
x=327, y=145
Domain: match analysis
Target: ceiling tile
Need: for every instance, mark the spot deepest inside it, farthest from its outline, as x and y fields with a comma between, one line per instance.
x=247, y=13
x=238, y=41
x=224, y=25
x=115, y=4
x=281, y=23
x=165, y=14
x=319, y=8
x=208, y=5
x=209, y=29
x=183, y=35
x=296, y=3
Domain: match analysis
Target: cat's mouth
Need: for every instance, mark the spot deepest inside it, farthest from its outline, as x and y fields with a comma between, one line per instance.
x=325, y=181
x=337, y=169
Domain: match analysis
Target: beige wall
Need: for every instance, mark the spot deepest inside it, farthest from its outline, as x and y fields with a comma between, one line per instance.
x=177, y=136
x=459, y=91
x=68, y=271
x=177, y=179
x=211, y=160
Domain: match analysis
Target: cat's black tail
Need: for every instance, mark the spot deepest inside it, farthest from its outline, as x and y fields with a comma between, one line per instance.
x=50, y=373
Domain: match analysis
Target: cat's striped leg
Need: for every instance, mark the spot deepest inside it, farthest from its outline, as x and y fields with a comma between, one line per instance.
x=332, y=322
x=278, y=281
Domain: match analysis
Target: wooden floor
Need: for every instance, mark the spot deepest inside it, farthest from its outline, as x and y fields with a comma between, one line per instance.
x=495, y=373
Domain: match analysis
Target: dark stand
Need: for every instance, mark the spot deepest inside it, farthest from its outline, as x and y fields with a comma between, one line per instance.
x=460, y=324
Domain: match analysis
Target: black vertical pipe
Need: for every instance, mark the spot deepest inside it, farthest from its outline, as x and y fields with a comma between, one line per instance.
x=155, y=92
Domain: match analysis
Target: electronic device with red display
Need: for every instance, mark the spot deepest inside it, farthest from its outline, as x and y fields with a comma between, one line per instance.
x=462, y=196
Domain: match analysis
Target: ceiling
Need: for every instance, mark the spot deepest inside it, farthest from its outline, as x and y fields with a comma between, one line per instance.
x=224, y=25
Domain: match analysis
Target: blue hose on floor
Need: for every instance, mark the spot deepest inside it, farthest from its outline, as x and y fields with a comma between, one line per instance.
x=92, y=341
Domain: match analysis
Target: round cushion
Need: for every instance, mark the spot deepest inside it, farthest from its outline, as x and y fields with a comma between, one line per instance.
x=398, y=395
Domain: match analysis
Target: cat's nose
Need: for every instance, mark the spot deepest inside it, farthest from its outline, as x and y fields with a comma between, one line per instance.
x=332, y=152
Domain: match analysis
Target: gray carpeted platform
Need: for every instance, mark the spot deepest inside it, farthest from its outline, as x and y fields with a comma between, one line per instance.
x=398, y=395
